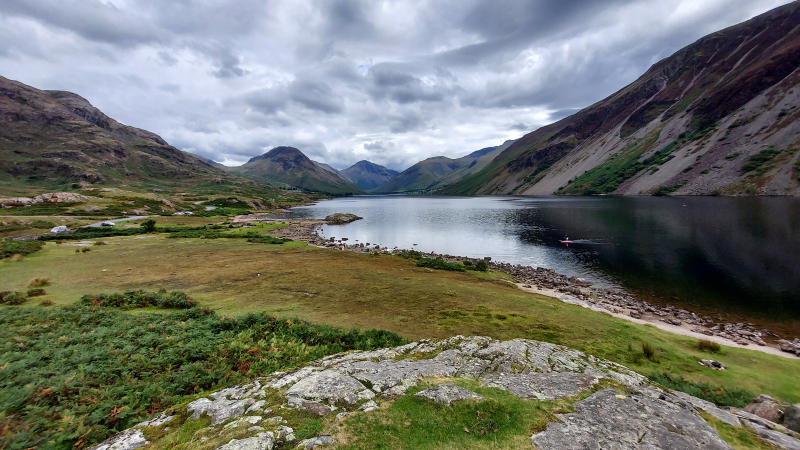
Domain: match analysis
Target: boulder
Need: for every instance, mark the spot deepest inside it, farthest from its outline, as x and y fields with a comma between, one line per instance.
x=710, y=363
x=262, y=441
x=446, y=394
x=765, y=407
x=791, y=417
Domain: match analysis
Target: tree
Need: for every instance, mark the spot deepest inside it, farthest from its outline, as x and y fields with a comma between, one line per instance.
x=149, y=225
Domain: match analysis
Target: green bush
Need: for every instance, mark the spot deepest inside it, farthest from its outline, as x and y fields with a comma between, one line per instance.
x=440, y=264
x=149, y=226
x=721, y=396
x=14, y=298
x=705, y=344
x=267, y=240
x=24, y=248
x=648, y=350
x=65, y=369
x=409, y=254
x=141, y=299
x=756, y=162
x=36, y=292
x=481, y=266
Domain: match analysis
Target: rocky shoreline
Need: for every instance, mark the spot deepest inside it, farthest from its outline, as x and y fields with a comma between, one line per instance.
x=580, y=291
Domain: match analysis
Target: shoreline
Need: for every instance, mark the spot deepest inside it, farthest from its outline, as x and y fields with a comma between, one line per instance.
x=571, y=290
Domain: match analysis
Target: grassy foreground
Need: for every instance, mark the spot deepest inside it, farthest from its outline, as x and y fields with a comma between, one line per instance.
x=71, y=377
x=343, y=289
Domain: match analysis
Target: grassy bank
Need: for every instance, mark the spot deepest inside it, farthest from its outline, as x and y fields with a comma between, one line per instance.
x=344, y=289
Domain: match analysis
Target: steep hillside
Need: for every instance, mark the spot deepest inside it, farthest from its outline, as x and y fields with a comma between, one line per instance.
x=439, y=171
x=288, y=166
x=55, y=140
x=720, y=116
x=368, y=176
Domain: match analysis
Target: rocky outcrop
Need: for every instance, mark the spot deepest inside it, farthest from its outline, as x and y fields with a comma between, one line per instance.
x=791, y=417
x=614, y=406
x=55, y=197
x=341, y=218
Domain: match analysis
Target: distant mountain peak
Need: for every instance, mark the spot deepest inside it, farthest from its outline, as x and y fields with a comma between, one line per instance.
x=368, y=175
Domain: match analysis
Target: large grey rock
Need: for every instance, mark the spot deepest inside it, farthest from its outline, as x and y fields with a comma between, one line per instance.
x=709, y=408
x=330, y=385
x=776, y=438
x=446, y=394
x=127, y=440
x=765, y=407
x=609, y=419
x=542, y=386
x=319, y=441
x=791, y=417
x=220, y=410
x=262, y=441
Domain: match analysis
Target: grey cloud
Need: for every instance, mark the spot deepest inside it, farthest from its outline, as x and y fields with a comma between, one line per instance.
x=267, y=101
x=316, y=95
x=345, y=80
x=167, y=59
x=403, y=87
x=91, y=19
x=170, y=87
x=406, y=123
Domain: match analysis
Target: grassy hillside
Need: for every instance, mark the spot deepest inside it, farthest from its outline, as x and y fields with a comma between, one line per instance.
x=698, y=122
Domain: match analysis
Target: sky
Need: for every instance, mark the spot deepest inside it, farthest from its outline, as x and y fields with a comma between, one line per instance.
x=392, y=82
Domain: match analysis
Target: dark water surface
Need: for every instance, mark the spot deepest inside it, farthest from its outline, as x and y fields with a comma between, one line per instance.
x=737, y=256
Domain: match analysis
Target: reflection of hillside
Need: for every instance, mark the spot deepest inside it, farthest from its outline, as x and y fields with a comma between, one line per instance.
x=728, y=251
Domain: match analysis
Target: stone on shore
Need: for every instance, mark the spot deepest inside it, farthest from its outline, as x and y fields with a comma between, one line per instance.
x=791, y=417
x=765, y=407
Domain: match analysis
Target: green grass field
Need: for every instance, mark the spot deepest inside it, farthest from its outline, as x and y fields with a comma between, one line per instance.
x=347, y=290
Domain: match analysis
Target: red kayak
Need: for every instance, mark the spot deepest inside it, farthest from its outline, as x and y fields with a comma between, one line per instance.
x=566, y=242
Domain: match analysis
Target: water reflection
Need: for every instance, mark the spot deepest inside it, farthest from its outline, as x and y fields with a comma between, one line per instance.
x=715, y=253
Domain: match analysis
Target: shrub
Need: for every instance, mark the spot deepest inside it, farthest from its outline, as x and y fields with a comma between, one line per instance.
x=100, y=243
x=46, y=303
x=38, y=282
x=85, y=249
x=648, y=350
x=36, y=292
x=738, y=398
x=141, y=299
x=409, y=254
x=14, y=298
x=23, y=248
x=467, y=263
x=440, y=264
x=149, y=226
x=481, y=266
x=705, y=344
x=267, y=240
x=94, y=359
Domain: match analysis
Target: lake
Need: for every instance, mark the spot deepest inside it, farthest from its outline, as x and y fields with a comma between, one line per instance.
x=735, y=257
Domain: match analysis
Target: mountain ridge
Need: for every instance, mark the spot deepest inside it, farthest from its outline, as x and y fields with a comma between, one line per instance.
x=719, y=116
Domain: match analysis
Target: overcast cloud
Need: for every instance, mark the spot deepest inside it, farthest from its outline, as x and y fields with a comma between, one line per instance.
x=393, y=82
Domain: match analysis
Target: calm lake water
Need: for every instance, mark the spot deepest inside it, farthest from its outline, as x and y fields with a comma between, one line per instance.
x=713, y=254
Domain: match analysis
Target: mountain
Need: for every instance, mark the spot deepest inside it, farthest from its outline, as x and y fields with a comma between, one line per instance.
x=719, y=116
x=210, y=161
x=440, y=171
x=367, y=175
x=56, y=140
x=288, y=166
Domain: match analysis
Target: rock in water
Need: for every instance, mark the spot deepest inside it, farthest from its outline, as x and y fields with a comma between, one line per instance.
x=446, y=394
x=341, y=218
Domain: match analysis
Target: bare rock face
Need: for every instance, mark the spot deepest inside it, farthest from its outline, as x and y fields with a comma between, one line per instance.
x=611, y=419
x=447, y=393
x=626, y=413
